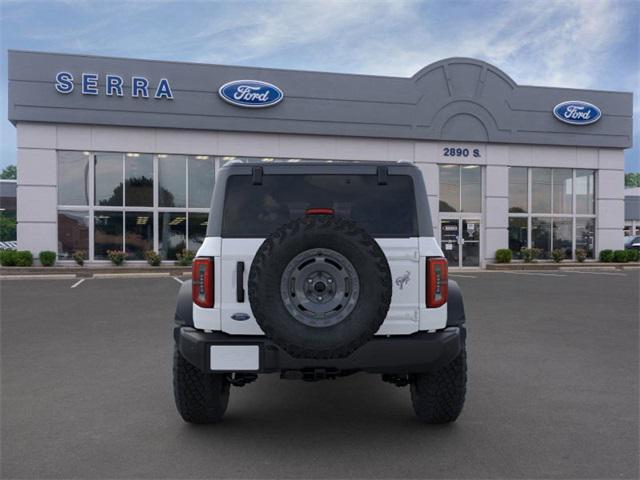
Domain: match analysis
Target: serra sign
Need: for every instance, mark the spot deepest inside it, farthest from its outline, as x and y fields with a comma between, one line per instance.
x=250, y=93
x=113, y=85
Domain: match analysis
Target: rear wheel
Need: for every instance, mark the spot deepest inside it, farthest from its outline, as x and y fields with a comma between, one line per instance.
x=438, y=397
x=200, y=397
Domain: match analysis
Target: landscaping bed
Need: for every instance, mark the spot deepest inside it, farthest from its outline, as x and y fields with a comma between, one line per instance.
x=90, y=270
x=560, y=265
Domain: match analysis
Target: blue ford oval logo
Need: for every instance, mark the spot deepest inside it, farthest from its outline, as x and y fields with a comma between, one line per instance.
x=577, y=112
x=251, y=93
x=240, y=317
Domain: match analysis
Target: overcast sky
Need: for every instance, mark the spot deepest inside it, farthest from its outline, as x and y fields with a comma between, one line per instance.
x=566, y=43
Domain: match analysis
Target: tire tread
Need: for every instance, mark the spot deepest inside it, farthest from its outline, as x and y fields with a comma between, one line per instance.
x=438, y=397
x=200, y=397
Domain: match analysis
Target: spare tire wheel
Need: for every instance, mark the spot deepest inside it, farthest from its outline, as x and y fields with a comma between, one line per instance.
x=320, y=287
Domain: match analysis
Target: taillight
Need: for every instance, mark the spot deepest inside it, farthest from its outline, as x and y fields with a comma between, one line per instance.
x=319, y=211
x=202, y=282
x=437, y=282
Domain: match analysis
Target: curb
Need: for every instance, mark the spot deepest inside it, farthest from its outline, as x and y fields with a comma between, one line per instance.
x=54, y=276
x=561, y=266
x=89, y=272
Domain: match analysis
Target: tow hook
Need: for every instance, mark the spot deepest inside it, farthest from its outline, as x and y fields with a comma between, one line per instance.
x=241, y=379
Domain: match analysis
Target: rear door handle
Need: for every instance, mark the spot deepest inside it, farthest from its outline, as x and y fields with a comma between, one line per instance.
x=239, y=282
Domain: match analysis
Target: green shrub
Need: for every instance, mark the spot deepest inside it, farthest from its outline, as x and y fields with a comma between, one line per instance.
x=633, y=255
x=620, y=256
x=185, y=257
x=153, y=258
x=24, y=258
x=503, y=255
x=117, y=257
x=558, y=255
x=581, y=254
x=79, y=256
x=8, y=258
x=526, y=254
x=606, y=255
x=47, y=258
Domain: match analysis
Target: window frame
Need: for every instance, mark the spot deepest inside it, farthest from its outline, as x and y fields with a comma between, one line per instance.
x=459, y=167
x=155, y=209
x=573, y=215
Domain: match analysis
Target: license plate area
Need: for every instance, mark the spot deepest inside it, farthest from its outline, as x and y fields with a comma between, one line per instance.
x=234, y=358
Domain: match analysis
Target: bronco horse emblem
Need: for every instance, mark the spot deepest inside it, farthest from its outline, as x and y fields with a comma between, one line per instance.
x=403, y=280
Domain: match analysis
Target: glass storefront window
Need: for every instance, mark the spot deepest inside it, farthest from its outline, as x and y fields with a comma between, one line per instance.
x=518, y=190
x=201, y=178
x=562, y=190
x=172, y=179
x=73, y=178
x=123, y=182
x=138, y=234
x=585, y=192
x=562, y=235
x=138, y=172
x=541, y=190
x=107, y=233
x=172, y=231
x=517, y=235
x=449, y=188
x=552, y=192
x=108, y=179
x=197, y=230
x=541, y=235
x=585, y=235
x=73, y=232
x=471, y=188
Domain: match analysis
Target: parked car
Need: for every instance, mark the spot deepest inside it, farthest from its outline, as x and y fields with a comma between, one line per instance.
x=632, y=242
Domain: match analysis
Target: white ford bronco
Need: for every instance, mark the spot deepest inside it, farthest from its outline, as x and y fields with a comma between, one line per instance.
x=318, y=271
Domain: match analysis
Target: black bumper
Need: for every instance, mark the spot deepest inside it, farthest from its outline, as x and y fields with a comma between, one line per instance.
x=420, y=352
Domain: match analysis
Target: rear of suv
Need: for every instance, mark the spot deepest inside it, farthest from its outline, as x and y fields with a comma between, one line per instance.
x=316, y=271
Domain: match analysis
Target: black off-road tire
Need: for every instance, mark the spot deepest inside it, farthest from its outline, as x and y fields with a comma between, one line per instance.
x=323, y=232
x=438, y=397
x=200, y=397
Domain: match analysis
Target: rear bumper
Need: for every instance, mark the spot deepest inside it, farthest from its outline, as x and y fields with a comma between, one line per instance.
x=420, y=352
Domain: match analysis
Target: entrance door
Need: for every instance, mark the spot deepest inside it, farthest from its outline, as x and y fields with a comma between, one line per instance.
x=470, y=243
x=460, y=241
x=449, y=240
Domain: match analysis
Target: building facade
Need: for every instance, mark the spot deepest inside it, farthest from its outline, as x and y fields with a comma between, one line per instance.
x=122, y=154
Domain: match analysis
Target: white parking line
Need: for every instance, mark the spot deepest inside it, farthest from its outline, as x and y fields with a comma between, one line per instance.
x=463, y=276
x=78, y=283
x=538, y=274
x=598, y=273
x=178, y=280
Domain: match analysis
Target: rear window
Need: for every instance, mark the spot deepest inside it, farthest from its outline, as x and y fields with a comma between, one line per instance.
x=257, y=210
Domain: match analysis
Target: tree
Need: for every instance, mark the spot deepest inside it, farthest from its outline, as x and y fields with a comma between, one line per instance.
x=632, y=179
x=9, y=172
x=7, y=228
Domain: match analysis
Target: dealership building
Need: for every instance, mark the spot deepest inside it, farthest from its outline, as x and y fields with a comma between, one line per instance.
x=117, y=153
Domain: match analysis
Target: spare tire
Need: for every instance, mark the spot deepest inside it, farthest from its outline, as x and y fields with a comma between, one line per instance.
x=320, y=287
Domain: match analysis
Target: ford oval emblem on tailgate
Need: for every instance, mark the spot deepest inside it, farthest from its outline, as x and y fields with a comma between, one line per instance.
x=250, y=93
x=241, y=317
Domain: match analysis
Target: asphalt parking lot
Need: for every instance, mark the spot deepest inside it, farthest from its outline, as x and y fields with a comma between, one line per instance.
x=552, y=393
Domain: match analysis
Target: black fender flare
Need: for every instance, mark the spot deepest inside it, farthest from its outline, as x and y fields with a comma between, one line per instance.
x=455, y=305
x=184, y=305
